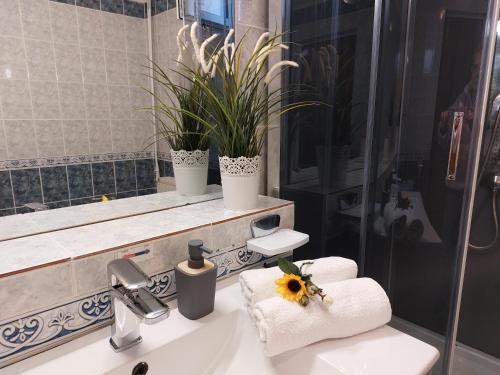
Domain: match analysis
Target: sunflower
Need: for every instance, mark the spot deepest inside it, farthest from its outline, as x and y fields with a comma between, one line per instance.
x=291, y=287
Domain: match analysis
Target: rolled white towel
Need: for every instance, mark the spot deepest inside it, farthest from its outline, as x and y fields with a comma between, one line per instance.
x=257, y=285
x=359, y=305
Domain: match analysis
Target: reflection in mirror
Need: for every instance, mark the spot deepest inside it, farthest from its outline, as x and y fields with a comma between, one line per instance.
x=73, y=137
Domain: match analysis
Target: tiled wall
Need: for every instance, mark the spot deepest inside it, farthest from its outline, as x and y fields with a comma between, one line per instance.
x=72, y=296
x=71, y=78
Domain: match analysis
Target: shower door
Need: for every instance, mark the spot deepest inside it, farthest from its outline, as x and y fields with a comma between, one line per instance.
x=417, y=218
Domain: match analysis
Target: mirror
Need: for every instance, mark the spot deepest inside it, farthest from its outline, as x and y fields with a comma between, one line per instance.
x=75, y=148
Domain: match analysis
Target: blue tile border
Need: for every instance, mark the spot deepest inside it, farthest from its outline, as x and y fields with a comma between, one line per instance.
x=30, y=334
x=126, y=7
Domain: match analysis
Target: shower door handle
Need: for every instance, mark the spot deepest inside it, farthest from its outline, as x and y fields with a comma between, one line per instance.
x=456, y=134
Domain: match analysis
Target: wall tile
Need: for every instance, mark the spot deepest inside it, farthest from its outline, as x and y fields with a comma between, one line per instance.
x=7, y=212
x=72, y=100
x=253, y=13
x=80, y=181
x=45, y=100
x=60, y=204
x=143, y=135
x=6, y=198
x=21, y=139
x=146, y=192
x=63, y=23
x=159, y=6
x=92, y=4
x=103, y=175
x=93, y=65
x=41, y=62
x=26, y=186
x=126, y=194
x=91, y=273
x=140, y=99
x=119, y=102
x=122, y=133
x=35, y=19
x=3, y=142
x=113, y=6
x=76, y=137
x=99, y=136
x=49, y=137
x=125, y=175
x=145, y=173
x=96, y=101
x=69, y=2
x=54, y=184
x=116, y=67
x=11, y=19
x=68, y=63
x=135, y=34
x=33, y=290
x=89, y=27
x=113, y=31
x=15, y=99
x=138, y=69
x=12, y=58
x=134, y=9
x=80, y=201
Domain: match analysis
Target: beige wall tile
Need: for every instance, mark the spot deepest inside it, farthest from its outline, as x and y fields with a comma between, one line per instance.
x=96, y=101
x=35, y=19
x=45, y=100
x=114, y=31
x=116, y=67
x=119, y=102
x=68, y=63
x=76, y=137
x=89, y=27
x=72, y=100
x=99, y=136
x=93, y=65
x=63, y=22
x=41, y=62
x=15, y=99
x=12, y=59
x=49, y=137
x=36, y=289
x=136, y=34
x=11, y=19
x=21, y=139
x=3, y=142
x=91, y=273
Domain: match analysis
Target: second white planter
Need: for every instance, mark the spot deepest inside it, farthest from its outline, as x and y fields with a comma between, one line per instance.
x=240, y=182
x=190, y=171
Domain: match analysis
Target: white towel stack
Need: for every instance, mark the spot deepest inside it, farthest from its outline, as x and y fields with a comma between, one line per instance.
x=258, y=284
x=359, y=305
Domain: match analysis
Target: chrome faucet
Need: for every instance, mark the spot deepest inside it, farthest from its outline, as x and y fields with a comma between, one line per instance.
x=132, y=303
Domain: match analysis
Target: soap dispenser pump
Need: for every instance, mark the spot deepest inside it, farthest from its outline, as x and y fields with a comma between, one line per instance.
x=195, y=279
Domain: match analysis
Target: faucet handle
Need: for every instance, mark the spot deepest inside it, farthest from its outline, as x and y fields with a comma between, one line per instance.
x=127, y=273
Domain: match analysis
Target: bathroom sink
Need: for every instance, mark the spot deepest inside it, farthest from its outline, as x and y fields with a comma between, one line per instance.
x=227, y=342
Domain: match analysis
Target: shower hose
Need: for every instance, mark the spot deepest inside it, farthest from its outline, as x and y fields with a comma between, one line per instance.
x=494, y=190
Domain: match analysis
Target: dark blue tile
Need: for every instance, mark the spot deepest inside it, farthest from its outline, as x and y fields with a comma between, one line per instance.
x=7, y=212
x=23, y=210
x=113, y=6
x=125, y=175
x=70, y=2
x=80, y=181
x=93, y=4
x=145, y=173
x=60, y=204
x=26, y=186
x=161, y=167
x=134, y=9
x=6, y=198
x=171, y=4
x=104, y=178
x=126, y=194
x=80, y=201
x=160, y=6
x=146, y=191
x=169, y=169
x=54, y=184
x=214, y=176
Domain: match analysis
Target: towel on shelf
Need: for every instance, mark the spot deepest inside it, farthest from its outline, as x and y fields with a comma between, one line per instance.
x=258, y=284
x=359, y=305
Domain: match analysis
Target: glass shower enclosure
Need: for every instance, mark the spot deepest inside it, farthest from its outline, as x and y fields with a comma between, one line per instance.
x=387, y=172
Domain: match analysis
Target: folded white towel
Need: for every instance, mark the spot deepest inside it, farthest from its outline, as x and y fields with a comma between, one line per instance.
x=258, y=284
x=359, y=305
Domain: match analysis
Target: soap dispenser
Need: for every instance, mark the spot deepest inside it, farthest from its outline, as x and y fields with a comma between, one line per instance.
x=196, y=278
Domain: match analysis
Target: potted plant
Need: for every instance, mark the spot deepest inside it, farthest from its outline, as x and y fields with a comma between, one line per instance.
x=179, y=103
x=239, y=108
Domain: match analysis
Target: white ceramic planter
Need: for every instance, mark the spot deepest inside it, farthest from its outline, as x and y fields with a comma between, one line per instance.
x=240, y=182
x=190, y=171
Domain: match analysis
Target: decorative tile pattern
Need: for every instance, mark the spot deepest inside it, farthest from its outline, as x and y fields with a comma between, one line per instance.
x=27, y=335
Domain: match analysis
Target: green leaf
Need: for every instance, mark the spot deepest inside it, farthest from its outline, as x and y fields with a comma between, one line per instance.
x=288, y=267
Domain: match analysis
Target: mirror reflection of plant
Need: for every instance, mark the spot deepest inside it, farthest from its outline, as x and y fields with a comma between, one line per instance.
x=240, y=109
x=180, y=130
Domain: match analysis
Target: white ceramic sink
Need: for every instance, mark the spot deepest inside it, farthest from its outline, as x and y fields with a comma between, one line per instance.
x=226, y=342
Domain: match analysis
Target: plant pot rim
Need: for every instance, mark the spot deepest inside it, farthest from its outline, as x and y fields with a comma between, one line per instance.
x=189, y=159
x=240, y=166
